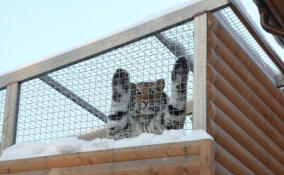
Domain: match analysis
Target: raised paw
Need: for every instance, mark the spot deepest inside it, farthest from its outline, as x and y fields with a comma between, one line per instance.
x=181, y=68
x=120, y=77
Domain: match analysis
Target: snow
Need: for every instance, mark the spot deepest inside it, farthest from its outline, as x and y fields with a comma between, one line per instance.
x=73, y=144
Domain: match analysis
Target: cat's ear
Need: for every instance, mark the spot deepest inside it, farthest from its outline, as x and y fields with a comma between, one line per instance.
x=160, y=84
x=133, y=89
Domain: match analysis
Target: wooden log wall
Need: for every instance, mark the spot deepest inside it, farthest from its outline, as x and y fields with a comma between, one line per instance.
x=245, y=111
x=191, y=158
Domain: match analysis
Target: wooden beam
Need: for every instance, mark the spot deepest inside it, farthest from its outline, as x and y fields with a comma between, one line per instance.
x=162, y=151
x=206, y=157
x=167, y=166
x=199, y=76
x=10, y=116
x=109, y=42
x=189, y=107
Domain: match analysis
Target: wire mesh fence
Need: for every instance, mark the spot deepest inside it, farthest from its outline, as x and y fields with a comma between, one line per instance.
x=78, y=99
x=248, y=41
x=2, y=110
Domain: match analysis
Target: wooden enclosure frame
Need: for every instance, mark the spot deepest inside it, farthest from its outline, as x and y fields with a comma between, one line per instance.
x=90, y=50
x=186, y=158
x=207, y=157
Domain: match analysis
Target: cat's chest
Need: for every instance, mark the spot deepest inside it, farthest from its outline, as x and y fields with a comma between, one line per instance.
x=149, y=123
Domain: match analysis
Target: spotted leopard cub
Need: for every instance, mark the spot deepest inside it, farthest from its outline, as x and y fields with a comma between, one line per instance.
x=145, y=107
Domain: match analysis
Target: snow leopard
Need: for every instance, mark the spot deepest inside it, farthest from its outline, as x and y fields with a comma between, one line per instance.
x=144, y=106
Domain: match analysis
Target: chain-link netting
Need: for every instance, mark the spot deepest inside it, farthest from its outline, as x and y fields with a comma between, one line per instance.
x=248, y=41
x=2, y=110
x=77, y=99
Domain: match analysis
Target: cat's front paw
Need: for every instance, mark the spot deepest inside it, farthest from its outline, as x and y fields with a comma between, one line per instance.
x=181, y=68
x=120, y=77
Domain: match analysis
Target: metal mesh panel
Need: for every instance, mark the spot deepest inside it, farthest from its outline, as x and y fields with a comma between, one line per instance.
x=2, y=109
x=248, y=41
x=77, y=99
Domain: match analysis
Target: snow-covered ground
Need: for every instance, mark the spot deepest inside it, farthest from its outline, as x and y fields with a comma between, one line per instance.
x=73, y=144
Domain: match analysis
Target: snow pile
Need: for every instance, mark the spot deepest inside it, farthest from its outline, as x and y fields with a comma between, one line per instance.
x=73, y=144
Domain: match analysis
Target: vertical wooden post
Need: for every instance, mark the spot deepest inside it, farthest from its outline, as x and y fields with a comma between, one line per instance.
x=206, y=157
x=199, y=68
x=10, y=116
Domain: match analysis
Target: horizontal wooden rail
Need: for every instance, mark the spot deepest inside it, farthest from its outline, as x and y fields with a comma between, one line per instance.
x=109, y=42
x=187, y=151
x=173, y=165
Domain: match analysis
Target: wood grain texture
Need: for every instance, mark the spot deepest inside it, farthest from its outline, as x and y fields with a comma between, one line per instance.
x=255, y=109
x=247, y=126
x=165, y=166
x=199, y=76
x=229, y=162
x=109, y=42
x=264, y=87
x=220, y=170
x=206, y=157
x=189, y=107
x=10, y=116
x=244, y=108
x=241, y=152
x=224, y=124
x=100, y=157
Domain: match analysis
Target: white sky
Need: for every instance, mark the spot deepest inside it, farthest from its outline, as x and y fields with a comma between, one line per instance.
x=31, y=29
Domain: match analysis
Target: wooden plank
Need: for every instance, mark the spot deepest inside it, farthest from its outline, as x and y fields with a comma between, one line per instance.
x=220, y=170
x=164, y=166
x=99, y=157
x=229, y=162
x=206, y=157
x=239, y=151
x=237, y=141
x=106, y=43
x=189, y=107
x=10, y=116
x=199, y=76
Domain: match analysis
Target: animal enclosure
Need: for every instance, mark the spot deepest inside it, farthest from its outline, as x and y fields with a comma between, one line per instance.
x=76, y=99
x=230, y=90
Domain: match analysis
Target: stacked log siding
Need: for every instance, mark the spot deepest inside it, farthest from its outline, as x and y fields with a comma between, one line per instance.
x=245, y=111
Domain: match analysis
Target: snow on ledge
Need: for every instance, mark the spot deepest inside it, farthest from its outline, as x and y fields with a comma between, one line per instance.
x=73, y=144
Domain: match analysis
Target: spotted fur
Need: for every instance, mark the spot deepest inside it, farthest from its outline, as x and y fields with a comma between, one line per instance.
x=145, y=107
